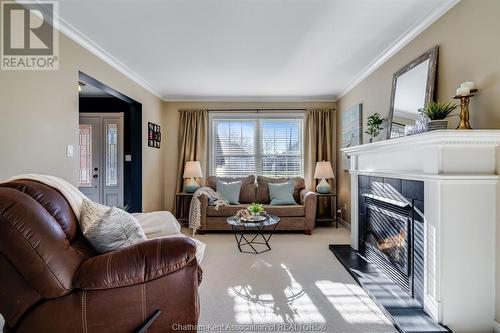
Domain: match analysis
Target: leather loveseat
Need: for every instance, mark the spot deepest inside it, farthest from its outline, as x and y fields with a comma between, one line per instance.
x=51, y=280
x=299, y=217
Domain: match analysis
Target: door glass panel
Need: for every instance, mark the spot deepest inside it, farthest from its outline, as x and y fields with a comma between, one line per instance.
x=111, y=155
x=85, y=178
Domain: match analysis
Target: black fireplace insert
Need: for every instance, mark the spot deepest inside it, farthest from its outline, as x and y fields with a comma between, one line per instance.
x=391, y=231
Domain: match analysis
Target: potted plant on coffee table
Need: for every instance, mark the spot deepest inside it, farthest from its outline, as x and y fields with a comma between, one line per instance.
x=438, y=113
x=256, y=209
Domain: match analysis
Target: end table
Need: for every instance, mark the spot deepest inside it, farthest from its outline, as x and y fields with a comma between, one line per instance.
x=333, y=208
x=182, y=203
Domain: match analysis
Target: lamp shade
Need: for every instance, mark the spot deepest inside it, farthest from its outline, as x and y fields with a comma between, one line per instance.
x=192, y=169
x=323, y=170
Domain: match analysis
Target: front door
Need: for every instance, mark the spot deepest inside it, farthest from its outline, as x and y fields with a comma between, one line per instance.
x=101, y=157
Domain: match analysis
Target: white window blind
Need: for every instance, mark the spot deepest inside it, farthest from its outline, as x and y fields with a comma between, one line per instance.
x=256, y=145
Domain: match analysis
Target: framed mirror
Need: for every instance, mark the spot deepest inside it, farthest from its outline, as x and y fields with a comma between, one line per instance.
x=412, y=89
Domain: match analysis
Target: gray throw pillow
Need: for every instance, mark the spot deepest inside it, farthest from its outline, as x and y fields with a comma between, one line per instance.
x=109, y=229
x=281, y=193
x=229, y=191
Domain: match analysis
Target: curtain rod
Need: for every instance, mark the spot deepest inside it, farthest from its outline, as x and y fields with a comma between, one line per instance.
x=257, y=110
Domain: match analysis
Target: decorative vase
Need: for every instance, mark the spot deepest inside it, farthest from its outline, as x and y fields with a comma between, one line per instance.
x=323, y=187
x=437, y=125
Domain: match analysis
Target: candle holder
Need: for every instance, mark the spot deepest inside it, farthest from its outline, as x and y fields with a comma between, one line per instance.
x=464, y=109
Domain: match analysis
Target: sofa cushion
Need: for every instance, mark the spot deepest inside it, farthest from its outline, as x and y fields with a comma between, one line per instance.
x=286, y=211
x=280, y=211
x=225, y=211
x=262, y=194
x=229, y=191
x=247, y=192
x=281, y=193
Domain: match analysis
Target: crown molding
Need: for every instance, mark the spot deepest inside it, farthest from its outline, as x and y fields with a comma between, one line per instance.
x=396, y=46
x=84, y=41
x=88, y=44
x=249, y=99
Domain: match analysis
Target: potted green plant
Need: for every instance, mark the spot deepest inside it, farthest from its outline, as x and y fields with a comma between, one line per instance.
x=255, y=208
x=438, y=113
x=374, y=126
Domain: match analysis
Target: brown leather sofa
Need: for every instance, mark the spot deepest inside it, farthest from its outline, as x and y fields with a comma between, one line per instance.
x=51, y=280
x=299, y=217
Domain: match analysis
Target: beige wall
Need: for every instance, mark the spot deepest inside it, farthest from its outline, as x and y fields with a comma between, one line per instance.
x=469, y=50
x=171, y=125
x=39, y=118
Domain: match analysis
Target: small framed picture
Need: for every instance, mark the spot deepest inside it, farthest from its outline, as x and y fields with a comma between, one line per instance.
x=154, y=135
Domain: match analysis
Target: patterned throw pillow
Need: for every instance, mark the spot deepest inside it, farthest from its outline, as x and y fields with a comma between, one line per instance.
x=109, y=228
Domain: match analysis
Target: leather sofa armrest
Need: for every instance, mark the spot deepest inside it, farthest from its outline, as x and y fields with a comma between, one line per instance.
x=136, y=264
x=309, y=199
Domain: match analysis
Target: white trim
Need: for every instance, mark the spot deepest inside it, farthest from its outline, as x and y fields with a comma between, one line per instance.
x=98, y=51
x=88, y=44
x=261, y=99
x=496, y=327
x=455, y=179
x=84, y=41
x=479, y=138
x=401, y=42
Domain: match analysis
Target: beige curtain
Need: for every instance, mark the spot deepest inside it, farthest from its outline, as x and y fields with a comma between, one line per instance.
x=193, y=141
x=320, y=142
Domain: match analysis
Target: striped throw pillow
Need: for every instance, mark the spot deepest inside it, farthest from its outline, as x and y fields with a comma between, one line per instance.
x=109, y=228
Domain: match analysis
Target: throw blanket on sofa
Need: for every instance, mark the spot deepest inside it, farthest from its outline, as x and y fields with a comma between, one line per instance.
x=214, y=199
x=155, y=224
x=70, y=192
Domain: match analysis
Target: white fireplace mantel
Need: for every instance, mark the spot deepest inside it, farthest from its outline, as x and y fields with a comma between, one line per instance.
x=458, y=169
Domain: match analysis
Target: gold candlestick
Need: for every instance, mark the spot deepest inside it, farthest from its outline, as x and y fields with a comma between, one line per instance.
x=464, y=110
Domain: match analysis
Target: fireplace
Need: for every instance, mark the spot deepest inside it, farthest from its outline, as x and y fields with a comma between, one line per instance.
x=392, y=228
x=457, y=171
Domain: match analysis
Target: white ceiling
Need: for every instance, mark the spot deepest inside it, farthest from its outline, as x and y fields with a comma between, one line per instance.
x=247, y=49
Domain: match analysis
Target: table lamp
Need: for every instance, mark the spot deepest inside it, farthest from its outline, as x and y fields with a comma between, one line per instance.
x=192, y=169
x=323, y=171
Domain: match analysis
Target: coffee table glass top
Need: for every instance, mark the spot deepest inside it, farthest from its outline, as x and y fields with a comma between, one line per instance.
x=270, y=221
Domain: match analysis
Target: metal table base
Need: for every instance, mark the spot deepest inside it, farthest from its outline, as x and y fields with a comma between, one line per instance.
x=242, y=240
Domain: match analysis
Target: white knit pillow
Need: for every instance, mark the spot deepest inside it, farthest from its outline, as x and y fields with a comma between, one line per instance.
x=109, y=229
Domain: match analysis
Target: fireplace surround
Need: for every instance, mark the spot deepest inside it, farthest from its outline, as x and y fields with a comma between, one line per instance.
x=458, y=170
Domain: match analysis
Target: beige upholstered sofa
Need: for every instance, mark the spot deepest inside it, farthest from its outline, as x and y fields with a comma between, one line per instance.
x=293, y=217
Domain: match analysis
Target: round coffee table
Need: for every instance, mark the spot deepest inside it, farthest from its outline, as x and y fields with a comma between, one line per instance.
x=240, y=227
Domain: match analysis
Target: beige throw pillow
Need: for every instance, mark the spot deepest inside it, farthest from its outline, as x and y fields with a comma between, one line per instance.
x=109, y=228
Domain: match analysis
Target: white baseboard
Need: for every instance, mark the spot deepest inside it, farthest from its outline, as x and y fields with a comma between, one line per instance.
x=346, y=224
x=496, y=327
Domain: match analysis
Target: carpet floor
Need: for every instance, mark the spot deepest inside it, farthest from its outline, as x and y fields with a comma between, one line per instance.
x=298, y=286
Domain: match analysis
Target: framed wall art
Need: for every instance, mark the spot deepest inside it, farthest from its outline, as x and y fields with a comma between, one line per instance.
x=154, y=135
x=352, y=134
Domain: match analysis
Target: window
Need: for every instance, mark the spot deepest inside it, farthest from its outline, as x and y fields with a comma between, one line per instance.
x=85, y=177
x=256, y=144
x=111, y=155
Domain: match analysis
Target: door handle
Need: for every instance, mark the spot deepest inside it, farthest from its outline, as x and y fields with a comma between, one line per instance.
x=95, y=176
